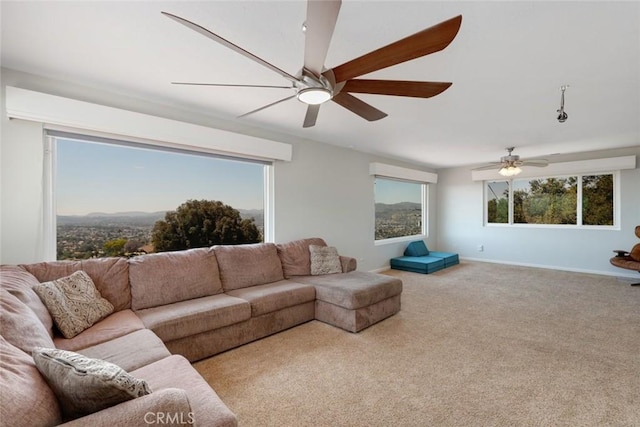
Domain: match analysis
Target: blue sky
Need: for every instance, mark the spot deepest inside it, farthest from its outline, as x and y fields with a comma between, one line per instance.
x=93, y=177
x=390, y=191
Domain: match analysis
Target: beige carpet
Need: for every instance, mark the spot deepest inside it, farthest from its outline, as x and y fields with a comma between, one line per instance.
x=477, y=344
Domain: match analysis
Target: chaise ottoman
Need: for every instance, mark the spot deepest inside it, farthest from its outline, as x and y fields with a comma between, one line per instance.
x=356, y=300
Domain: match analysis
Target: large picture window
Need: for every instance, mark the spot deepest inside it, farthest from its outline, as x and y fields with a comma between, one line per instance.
x=580, y=200
x=400, y=208
x=113, y=198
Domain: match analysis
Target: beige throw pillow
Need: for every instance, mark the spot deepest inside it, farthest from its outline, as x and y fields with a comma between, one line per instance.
x=74, y=303
x=84, y=385
x=324, y=260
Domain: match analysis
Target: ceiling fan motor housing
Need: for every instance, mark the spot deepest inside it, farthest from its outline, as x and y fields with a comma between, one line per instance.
x=510, y=159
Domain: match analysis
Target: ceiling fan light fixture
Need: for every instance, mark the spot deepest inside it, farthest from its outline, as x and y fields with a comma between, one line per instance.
x=509, y=170
x=314, y=95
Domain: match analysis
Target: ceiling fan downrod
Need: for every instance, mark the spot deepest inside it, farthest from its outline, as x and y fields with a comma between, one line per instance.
x=562, y=116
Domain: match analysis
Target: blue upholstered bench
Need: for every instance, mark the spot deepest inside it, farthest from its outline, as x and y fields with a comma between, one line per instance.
x=418, y=259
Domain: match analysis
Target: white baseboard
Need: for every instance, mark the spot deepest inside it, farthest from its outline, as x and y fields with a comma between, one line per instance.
x=548, y=267
x=555, y=267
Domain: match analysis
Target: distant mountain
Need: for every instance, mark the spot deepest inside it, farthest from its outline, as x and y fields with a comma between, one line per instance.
x=118, y=218
x=402, y=206
x=256, y=214
x=127, y=214
x=137, y=218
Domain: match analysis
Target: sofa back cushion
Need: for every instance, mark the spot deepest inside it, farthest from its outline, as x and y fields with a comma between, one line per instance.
x=168, y=277
x=110, y=275
x=19, y=282
x=26, y=397
x=295, y=256
x=242, y=266
x=20, y=325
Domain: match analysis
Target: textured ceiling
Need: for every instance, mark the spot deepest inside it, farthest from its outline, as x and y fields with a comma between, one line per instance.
x=507, y=64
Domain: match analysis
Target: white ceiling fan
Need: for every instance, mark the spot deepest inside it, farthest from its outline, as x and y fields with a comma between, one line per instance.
x=509, y=165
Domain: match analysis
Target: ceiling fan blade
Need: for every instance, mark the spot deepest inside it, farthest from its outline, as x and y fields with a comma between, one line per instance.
x=487, y=167
x=230, y=45
x=321, y=21
x=430, y=40
x=230, y=85
x=311, y=116
x=359, y=107
x=268, y=105
x=536, y=163
x=396, y=87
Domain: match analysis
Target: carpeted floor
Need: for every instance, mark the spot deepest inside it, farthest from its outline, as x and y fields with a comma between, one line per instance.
x=477, y=344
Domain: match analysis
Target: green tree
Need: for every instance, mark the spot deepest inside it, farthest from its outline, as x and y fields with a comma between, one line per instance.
x=597, y=200
x=202, y=223
x=114, y=247
x=547, y=201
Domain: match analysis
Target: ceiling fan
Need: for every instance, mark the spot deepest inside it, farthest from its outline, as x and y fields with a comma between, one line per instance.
x=315, y=84
x=510, y=164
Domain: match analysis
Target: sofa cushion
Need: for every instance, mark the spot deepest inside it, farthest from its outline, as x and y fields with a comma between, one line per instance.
x=110, y=275
x=417, y=264
x=20, y=326
x=355, y=289
x=185, y=318
x=176, y=372
x=116, y=325
x=84, y=385
x=324, y=260
x=74, y=303
x=295, y=256
x=449, y=258
x=168, y=277
x=26, y=398
x=417, y=248
x=19, y=282
x=168, y=407
x=242, y=266
x=275, y=296
x=131, y=351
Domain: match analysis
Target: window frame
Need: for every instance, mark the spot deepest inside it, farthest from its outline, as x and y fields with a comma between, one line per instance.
x=49, y=178
x=424, y=201
x=579, y=201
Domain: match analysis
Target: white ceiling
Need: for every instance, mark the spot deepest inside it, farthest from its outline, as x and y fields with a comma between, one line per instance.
x=507, y=64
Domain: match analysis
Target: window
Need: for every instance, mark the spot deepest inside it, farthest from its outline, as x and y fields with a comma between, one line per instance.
x=399, y=208
x=109, y=197
x=597, y=199
x=580, y=200
x=545, y=201
x=498, y=202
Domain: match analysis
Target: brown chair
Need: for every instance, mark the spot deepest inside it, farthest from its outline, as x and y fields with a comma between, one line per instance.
x=629, y=260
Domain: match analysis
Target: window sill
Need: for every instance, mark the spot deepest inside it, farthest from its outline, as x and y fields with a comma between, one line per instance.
x=402, y=239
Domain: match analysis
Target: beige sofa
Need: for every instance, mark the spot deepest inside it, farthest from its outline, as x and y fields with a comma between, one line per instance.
x=171, y=309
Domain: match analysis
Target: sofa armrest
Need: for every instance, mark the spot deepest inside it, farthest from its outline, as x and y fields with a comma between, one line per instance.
x=348, y=264
x=168, y=407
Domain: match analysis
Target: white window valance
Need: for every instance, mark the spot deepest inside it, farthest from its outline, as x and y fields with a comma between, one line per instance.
x=70, y=113
x=397, y=172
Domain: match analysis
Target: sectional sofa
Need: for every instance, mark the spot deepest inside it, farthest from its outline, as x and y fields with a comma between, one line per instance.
x=170, y=309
